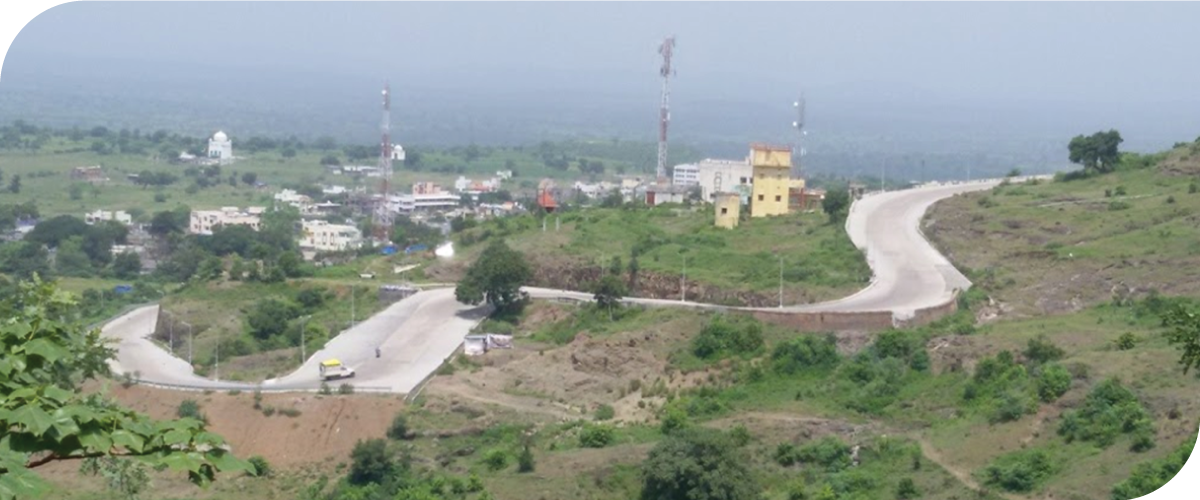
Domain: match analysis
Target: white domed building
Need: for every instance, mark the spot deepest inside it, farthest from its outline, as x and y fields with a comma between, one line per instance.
x=220, y=148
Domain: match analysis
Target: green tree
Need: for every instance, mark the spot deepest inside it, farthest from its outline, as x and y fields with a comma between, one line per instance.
x=370, y=462
x=399, y=428
x=127, y=266
x=75, y=191
x=47, y=418
x=249, y=178
x=24, y=259
x=1097, y=153
x=835, y=204
x=608, y=290
x=697, y=464
x=270, y=317
x=14, y=184
x=71, y=260
x=525, y=462
x=496, y=277
x=1184, y=334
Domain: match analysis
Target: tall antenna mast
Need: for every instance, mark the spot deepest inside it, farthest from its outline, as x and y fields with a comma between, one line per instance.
x=383, y=218
x=667, y=72
x=800, y=133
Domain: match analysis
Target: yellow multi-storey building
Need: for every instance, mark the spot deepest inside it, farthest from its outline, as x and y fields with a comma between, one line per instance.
x=728, y=209
x=772, y=177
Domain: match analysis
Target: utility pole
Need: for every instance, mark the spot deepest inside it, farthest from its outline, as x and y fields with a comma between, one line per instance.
x=382, y=218
x=191, y=340
x=303, y=352
x=171, y=329
x=683, y=281
x=781, y=281
x=351, y=306
x=217, y=369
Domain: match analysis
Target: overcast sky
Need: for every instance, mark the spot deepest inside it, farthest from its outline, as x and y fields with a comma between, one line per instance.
x=1100, y=52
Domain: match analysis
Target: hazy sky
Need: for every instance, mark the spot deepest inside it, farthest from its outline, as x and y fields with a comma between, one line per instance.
x=1099, y=52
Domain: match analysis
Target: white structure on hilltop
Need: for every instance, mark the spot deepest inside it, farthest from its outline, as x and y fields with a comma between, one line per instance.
x=423, y=201
x=735, y=176
x=103, y=215
x=204, y=221
x=220, y=148
x=398, y=152
x=325, y=237
x=291, y=197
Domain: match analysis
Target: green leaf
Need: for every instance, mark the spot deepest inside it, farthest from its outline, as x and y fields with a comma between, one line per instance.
x=95, y=441
x=210, y=439
x=20, y=483
x=128, y=440
x=226, y=462
x=179, y=461
x=33, y=418
x=177, y=436
x=46, y=349
x=64, y=425
x=57, y=394
x=6, y=367
x=22, y=393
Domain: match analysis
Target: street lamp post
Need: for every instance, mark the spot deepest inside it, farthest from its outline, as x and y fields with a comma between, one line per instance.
x=171, y=329
x=781, y=281
x=303, y=345
x=217, y=367
x=191, y=340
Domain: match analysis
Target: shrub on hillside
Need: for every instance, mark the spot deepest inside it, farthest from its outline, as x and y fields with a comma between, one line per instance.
x=495, y=460
x=605, y=412
x=1149, y=476
x=828, y=452
x=1126, y=341
x=1041, y=350
x=596, y=436
x=1110, y=410
x=190, y=409
x=733, y=336
x=804, y=353
x=698, y=464
x=907, y=490
x=525, y=461
x=259, y=466
x=370, y=462
x=1053, y=382
x=1021, y=471
x=399, y=428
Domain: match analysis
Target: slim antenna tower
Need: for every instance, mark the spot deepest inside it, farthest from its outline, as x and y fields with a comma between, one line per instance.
x=800, y=133
x=667, y=72
x=383, y=218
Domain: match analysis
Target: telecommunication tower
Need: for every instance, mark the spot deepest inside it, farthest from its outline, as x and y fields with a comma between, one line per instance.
x=382, y=217
x=667, y=72
x=800, y=133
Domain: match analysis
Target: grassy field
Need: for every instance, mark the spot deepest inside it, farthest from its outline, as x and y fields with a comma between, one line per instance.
x=1060, y=246
x=818, y=260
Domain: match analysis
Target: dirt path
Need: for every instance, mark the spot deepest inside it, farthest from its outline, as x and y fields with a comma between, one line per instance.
x=936, y=457
x=451, y=388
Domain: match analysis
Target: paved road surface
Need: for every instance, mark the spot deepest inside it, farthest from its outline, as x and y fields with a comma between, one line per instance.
x=416, y=334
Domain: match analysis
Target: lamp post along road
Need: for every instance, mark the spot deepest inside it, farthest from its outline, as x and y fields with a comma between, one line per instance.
x=781, y=282
x=191, y=340
x=303, y=345
x=683, y=281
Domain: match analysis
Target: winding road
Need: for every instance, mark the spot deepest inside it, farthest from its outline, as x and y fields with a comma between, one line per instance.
x=416, y=334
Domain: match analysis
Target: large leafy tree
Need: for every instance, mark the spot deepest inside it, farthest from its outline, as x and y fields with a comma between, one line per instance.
x=1185, y=334
x=697, y=464
x=836, y=202
x=1097, y=153
x=496, y=277
x=609, y=290
x=46, y=418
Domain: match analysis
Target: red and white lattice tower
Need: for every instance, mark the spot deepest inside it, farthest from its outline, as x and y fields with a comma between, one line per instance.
x=383, y=217
x=667, y=47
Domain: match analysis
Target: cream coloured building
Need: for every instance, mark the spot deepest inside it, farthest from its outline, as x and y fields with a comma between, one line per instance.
x=325, y=237
x=204, y=221
x=772, y=180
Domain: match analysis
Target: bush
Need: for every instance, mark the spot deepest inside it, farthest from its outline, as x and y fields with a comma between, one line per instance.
x=907, y=490
x=370, y=462
x=829, y=452
x=786, y=454
x=1193, y=188
x=605, y=412
x=596, y=436
x=1021, y=471
x=268, y=410
x=525, y=461
x=728, y=336
x=257, y=399
x=1120, y=191
x=674, y=419
x=1011, y=407
x=399, y=428
x=345, y=389
x=1109, y=411
x=1126, y=341
x=1152, y=475
x=259, y=466
x=698, y=464
x=289, y=412
x=495, y=460
x=804, y=353
x=1053, y=382
x=1041, y=350
x=325, y=390
x=190, y=409
x=1114, y=206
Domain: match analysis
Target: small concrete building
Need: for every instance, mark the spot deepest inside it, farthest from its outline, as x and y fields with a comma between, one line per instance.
x=203, y=221
x=103, y=215
x=728, y=208
x=325, y=237
x=772, y=179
